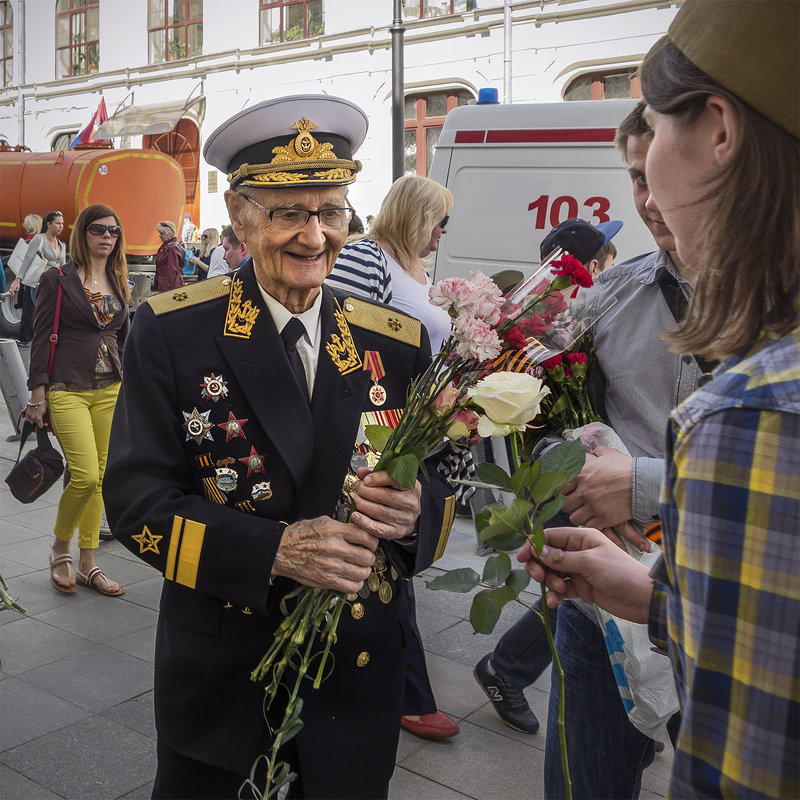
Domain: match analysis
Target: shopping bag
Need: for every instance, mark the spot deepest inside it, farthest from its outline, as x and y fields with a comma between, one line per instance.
x=14, y=261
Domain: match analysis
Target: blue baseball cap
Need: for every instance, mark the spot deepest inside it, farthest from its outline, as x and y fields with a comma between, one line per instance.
x=580, y=238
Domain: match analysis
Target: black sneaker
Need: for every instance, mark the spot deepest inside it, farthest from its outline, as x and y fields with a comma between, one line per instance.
x=509, y=703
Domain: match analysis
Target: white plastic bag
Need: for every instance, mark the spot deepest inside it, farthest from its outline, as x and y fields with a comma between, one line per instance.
x=14, y=261
x=644, y=678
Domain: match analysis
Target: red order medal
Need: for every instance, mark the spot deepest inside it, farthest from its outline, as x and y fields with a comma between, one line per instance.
x=374, y=364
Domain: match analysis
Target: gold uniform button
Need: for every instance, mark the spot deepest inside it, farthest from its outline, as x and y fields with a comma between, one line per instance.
x=357, y=611
x=362, y=659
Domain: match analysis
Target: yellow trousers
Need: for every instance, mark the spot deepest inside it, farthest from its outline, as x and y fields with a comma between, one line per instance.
x=81, y=422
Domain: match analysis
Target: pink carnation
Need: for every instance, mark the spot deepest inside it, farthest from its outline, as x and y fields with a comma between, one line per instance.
x=476, y=339
x=449, y=293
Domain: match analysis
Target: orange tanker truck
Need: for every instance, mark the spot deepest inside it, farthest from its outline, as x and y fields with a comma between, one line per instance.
x=144, y=187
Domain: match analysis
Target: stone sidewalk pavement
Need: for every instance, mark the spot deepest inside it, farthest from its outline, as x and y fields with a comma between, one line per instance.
x=76, y=679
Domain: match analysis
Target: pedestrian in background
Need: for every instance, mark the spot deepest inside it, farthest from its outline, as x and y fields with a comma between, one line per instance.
x=209, y=240
x=47, y=245
x=80, y=390
x=169, y=259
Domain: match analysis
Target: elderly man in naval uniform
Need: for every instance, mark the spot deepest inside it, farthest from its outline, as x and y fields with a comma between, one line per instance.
x=241, y=415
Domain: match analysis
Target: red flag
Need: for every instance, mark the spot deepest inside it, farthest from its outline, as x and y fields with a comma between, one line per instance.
x=86, y=135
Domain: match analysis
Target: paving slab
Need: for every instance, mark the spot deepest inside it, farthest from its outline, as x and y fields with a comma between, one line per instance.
x=14, y=786
x=29, y=643
x=93, y=759
x=30, y=712
x=136, y=714
x=407, y=785
x=96, y=678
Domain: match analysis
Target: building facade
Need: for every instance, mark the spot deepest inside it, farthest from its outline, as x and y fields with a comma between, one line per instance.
x=170, y=71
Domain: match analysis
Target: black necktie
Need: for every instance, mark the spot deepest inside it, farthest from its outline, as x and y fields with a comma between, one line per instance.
x=678, y=305
x=291, y=332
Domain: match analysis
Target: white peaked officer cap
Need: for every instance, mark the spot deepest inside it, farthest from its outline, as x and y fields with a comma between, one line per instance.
x=301, y=140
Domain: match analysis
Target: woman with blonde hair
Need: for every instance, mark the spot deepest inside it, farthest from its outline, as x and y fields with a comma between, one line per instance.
x=33, y=225
x=79, y=390
x=388, y=264
x=169, y=259
x=208, y=241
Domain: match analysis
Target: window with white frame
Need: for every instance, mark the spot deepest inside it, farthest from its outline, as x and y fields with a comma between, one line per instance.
x=174, y=30
x=77, y=37
x=290, y=20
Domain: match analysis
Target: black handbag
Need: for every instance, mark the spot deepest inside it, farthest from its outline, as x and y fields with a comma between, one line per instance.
x=34, y=474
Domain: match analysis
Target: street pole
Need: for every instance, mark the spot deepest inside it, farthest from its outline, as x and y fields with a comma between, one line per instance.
x=507, y=51
x=397, y=91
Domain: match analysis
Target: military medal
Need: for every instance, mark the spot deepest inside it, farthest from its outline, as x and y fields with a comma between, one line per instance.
x=351, y=597
x=197, y=426
x=364, y=592
x=343, y=512
x=233, y=427
x=213, y=387
x=357, y=461
x=393, y=573
x=255, y=462
x=261, y=491
x=385, y=592
x=226, y=479
x=374, y=364
x=373, y=581
x=380, y=560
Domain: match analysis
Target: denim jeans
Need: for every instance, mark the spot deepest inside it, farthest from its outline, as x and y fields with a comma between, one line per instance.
x=522, y=654
x=607, y=754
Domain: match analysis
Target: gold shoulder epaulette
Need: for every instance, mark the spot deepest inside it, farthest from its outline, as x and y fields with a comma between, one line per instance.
x=190, y=295
x=382, y=319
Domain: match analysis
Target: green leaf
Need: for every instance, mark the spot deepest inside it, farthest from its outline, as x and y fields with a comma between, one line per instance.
x=521, y=479
x=457, y=580
x=518, y=581
x=482, y=518
x=548, y=484
x=566, y=457
x=560, y=405
x=486, y=608
x=504, y=541
x=538, y=538
x=378, y=436
x=549, y=510
x=510, y=519
x=494, y=476
x=496, y=569
x=403, y=470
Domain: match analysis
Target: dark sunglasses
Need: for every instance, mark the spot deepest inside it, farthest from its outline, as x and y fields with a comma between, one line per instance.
x=445, y=220
x=205, y=236
x=98, y=230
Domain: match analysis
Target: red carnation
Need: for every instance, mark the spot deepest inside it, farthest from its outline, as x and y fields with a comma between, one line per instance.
x=577, y=358
x=532, y=326
x=569, y=267
x=515, y=338
x=552, y=363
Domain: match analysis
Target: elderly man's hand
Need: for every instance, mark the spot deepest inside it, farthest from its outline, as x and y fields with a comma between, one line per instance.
x=325, y=553
x=383, y=508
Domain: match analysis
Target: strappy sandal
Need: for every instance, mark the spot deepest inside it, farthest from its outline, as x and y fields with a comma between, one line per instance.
x=90, y=581
x=57, y=561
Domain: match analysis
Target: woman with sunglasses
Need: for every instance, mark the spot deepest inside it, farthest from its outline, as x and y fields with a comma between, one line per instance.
x=52, y=249
x=79, y=390
x=209, y=241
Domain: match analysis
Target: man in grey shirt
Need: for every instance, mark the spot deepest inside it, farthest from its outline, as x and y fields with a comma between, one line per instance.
x=639, y=381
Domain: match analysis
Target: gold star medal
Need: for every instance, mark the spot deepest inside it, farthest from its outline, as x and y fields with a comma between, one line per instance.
x=374, y=365
x=197, y=426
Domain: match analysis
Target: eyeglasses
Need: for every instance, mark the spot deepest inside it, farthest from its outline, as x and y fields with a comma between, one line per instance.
x=445, y=220
x=298, y=217
x=98, y=230
x=205, y=236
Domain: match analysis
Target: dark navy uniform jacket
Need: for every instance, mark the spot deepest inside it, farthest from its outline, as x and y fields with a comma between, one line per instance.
x=213, y=451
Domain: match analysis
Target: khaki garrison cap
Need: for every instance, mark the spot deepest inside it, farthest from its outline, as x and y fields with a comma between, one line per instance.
x=751, y=47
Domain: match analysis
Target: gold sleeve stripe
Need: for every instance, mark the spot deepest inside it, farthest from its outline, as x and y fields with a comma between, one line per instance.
x=447, y=524
x=191, y=549
x=174, y=542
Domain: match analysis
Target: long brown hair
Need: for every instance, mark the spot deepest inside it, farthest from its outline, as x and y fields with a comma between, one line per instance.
x=79, y=250
x=749, y=262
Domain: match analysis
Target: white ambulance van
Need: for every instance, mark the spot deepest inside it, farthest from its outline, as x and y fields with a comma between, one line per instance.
x=516, y=171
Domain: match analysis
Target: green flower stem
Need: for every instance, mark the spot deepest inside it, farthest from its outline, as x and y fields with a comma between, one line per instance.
x=330, y=637
x=7, y=601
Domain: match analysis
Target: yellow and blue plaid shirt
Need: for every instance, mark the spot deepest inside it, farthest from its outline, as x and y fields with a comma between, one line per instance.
x=731, y=517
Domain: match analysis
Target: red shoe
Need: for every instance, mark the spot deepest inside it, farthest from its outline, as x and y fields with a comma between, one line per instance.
x=431, y=726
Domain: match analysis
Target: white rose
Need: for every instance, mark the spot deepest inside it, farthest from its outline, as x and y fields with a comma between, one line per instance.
x=508, y=399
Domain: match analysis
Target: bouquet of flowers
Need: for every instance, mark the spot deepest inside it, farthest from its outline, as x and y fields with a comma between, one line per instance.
x=467, y=387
